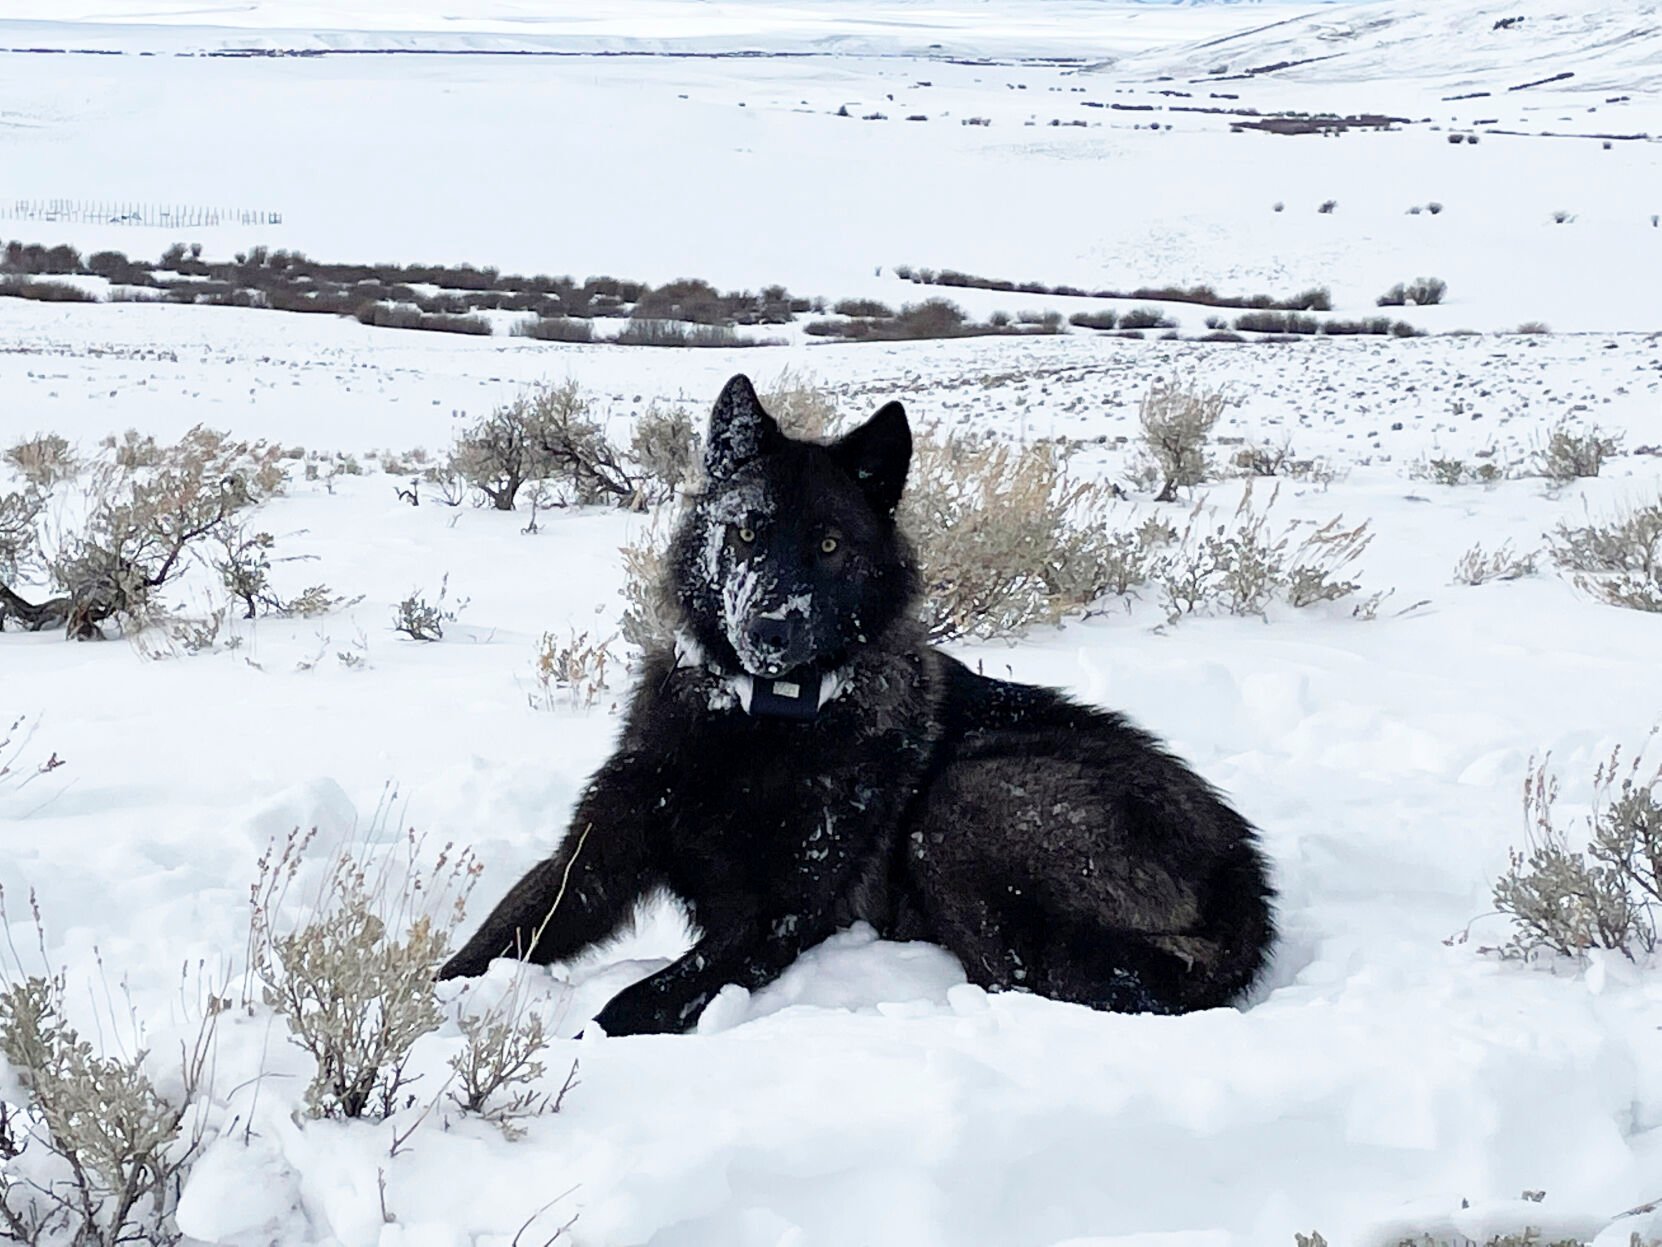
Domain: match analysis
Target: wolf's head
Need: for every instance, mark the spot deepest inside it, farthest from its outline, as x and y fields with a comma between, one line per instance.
x=790, y=556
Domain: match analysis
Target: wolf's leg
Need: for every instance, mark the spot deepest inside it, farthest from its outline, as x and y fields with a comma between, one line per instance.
x=576, y=898
x=669, y=1001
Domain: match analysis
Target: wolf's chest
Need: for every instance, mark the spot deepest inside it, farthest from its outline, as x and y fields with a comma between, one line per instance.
x=771, y=802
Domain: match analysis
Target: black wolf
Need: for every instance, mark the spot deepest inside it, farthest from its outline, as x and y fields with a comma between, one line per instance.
x=803, y=759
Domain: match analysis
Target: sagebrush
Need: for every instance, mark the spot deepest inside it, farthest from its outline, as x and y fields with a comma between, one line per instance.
x=1572, y=451
x=1569, y=899
x=147, y=512
x=550, y=434
x=1006, y=539
x=352, y=972
x=1618, y=561
x=423, y=620
x=95, y=1154
x=1239, y=565
x=499, y=1072
x=1176, y=418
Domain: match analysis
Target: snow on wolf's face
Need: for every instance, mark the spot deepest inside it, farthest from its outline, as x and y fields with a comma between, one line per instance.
x=790, y=556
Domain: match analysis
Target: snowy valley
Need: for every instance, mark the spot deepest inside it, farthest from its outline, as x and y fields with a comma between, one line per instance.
x=1393, y=1079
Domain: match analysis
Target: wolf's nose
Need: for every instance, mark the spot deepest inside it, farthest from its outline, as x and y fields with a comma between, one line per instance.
x=770, y=636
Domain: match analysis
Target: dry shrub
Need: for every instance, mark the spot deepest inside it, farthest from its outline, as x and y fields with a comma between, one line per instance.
x=1281, y=460
x=386, y=316
x=801, y=407
x=1620, y=561
x=549, y=434
x=405, y=463
x=1477, y=566
x=43, y=460
x=1240, y=566
x=95, y=1154
x=576, y=451
x=421, y=620
x=1568, y=900
x=571, y=672
x=447, y=479
x=1106, y=319
x=353, y=979
x=45, y=291
x=149, y=512
x=1176, y=418
x=20, y=513
x=665, y=447
x=243, y=561
x=1277, y=322
x=650, y=616
x=868, y=308
x=555, y=329
x=1572, y=452
x=933, y=318
x=650, y=332
x=1445, y=471
x=498, y=1073
x=1421, y=292
x=1006, y=539
x=503, y=450
x=1146, y=318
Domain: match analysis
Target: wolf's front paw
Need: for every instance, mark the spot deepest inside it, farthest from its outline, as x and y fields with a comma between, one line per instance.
x=640, y=1010
x=621, y=1017
x=464, y=965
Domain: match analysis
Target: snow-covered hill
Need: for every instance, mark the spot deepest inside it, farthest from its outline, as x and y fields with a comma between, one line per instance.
x=1497, y=45
x=1001, y=28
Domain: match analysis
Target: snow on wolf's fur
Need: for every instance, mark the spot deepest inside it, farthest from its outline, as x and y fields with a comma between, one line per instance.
x=748, y=587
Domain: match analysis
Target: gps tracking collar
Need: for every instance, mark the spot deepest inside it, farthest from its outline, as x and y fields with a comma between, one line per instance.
x=799, y=694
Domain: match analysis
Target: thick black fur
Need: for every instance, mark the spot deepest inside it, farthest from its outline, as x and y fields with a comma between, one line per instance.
x=1052, y=847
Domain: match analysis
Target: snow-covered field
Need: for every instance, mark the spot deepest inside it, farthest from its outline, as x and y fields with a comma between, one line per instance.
x=1383, y=1082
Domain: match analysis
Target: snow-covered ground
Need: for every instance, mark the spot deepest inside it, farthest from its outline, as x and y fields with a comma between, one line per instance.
x=1381, y=1083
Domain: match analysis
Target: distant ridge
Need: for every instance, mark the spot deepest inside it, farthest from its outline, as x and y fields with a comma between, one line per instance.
x=1489, y=45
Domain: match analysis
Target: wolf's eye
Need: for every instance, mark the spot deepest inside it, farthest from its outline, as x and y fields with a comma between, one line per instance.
x=747, y=534
x=828, y=545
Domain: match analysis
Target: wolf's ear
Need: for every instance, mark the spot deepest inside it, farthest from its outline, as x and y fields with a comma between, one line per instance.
x=739, y=430
x=877, y=455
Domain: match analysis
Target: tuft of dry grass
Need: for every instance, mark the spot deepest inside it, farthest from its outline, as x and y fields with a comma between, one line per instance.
x=650, y=615
x=1477, y=566
x=571, y=672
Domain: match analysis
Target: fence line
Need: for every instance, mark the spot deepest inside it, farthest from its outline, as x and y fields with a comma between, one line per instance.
x=112, y=212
